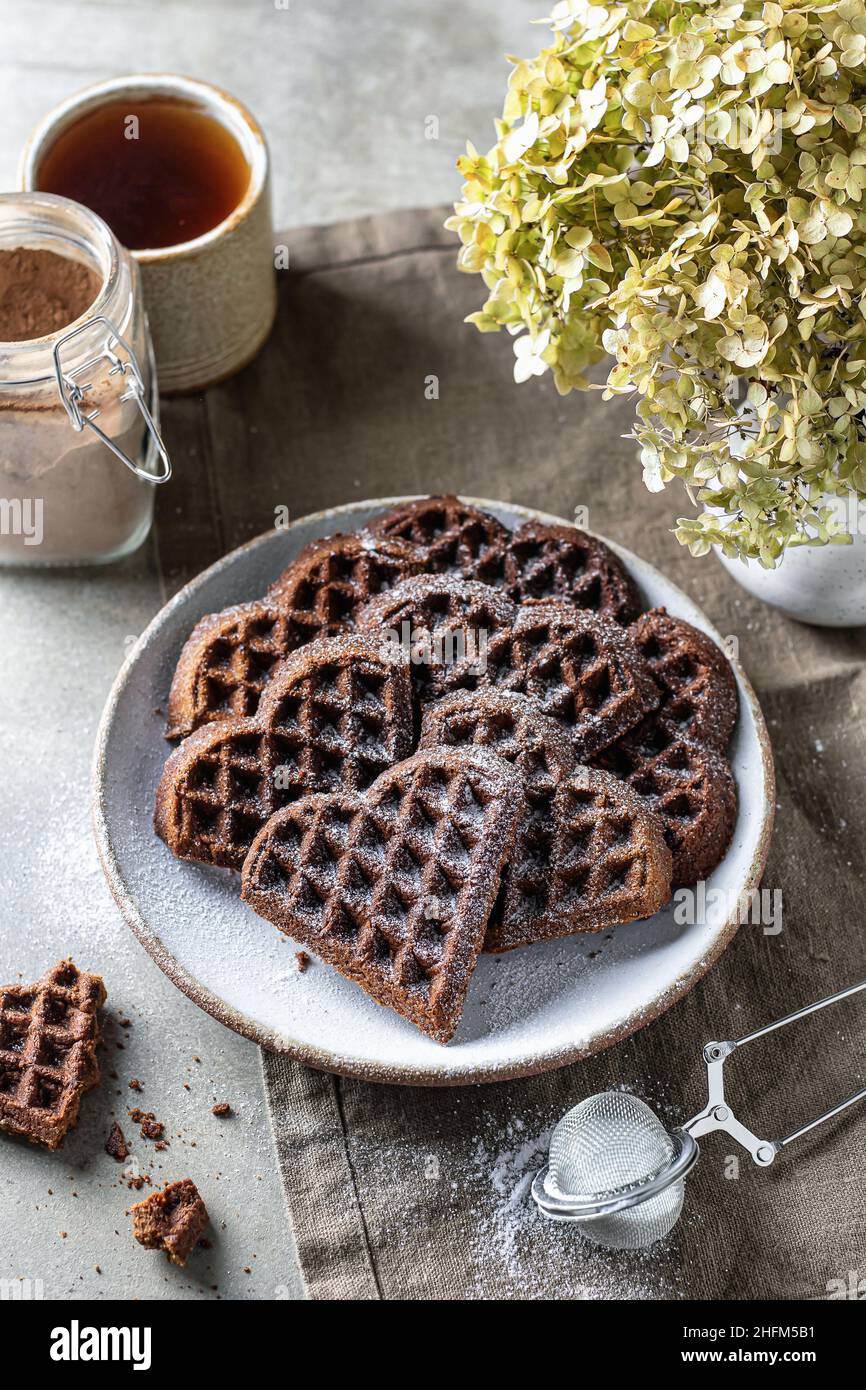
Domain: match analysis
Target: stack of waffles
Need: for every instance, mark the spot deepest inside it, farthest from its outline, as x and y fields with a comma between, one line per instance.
x=438, y=737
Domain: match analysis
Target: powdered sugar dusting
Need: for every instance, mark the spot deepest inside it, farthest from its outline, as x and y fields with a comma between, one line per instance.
x=517, y=1252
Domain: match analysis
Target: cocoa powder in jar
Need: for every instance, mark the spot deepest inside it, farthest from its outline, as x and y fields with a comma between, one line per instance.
x=42, y=292
x=64, y=497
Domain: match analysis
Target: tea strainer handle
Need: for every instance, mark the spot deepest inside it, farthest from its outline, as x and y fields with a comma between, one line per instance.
x=717, y=1113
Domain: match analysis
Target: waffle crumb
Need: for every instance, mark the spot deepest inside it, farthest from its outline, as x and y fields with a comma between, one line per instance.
x=150, y=1126
x=172, y=1220
x=115, y=1144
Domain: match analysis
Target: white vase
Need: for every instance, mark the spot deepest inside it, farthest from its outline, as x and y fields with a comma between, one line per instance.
x=822, y=584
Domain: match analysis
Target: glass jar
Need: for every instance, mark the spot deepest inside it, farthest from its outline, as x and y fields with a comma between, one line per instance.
x=80, y=450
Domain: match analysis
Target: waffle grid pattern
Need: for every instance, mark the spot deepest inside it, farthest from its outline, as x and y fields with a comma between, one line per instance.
x=699, y=690
x=508, y=724
x=236, y=652
x=511, y=726
x=690, y=787
x=583, y=672
x=563, y=563
x=230, y=657
x=395, y=887
x=461, y=627
x=456, y=538
x=593, y=855
x=329, y=579
x=338, y=714
x=48, y=1036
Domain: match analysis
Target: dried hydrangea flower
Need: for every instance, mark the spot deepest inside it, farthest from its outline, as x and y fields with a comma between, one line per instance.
x=681, y=187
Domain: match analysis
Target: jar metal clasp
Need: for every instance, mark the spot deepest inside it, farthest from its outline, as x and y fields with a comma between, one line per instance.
x=73, y=391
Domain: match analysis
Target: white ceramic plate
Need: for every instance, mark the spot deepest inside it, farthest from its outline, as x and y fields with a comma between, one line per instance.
x=527, y=1011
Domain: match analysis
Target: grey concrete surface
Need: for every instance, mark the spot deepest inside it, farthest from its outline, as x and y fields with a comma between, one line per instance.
x=344, y=91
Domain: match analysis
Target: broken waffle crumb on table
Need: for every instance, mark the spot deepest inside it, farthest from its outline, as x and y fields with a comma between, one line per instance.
x=115, y=1144
x=172, y=1220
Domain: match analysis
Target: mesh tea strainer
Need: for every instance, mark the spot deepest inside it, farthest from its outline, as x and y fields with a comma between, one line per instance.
x=614, y=1169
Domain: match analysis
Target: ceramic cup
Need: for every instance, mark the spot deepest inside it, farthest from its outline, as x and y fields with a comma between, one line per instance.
x=211, y=301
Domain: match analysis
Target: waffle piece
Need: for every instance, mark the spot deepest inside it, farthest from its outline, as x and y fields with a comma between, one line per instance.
x=230, y=656
x=583, y=671
x=395, y=887
x=562, y=562
x=329, y=578
x=226, y=663
x=513, y=727
x=48, y=1037
x=457, y=538
x=596, y=857
x=459, y=631
x=698, y=685
x=336, y=714
x=689, y=786
x=173, y=1219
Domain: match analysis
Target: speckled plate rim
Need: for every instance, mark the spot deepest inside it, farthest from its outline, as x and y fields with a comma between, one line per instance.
x=322, y=1059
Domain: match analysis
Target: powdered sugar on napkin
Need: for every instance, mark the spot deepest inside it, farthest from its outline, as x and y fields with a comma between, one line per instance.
x=534, y=1258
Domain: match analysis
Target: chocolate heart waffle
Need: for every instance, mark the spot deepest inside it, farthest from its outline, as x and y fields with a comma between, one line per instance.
x=48, y=1037
x=593, y=857
x=330, y=578
x=226, y=664
x=689, y=786
x=459, y=631
x=230, y=656
x=698, y=686
x=337, y=713
x=455, y=537
x=562, y=562
x=513, y=727
x=395, y=886
x=583, y=671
